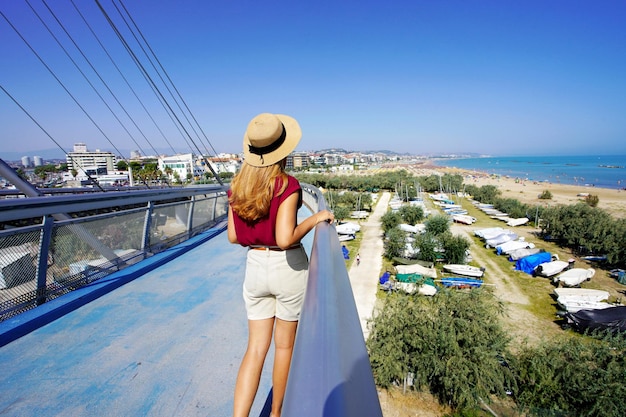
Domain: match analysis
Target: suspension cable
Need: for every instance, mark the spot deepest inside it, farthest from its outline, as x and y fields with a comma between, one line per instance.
x=48, y=134
x=81, y=71
x=126, y=81
x=60, y=82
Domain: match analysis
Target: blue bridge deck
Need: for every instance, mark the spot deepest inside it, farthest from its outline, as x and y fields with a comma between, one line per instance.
x=167, y=343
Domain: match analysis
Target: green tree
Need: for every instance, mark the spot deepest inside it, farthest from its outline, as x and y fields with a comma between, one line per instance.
x=224, y=175
x=341, y=212
x=486, y=194
x=512, y=207
x=411, y=214
x=426, y=245
x=122, y=165
x=390, y=220
x=394, y=243
x=455, y=247
x=592, y=200
x=593, y=371
x=366, y=201
x=437, y=224
x=434, y=338
x=545, y=195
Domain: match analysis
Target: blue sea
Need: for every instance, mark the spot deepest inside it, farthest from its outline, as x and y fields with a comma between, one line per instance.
x=606, y=171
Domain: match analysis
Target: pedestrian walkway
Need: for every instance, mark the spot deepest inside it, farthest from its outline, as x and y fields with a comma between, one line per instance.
x=364, y=277
x=168, y=343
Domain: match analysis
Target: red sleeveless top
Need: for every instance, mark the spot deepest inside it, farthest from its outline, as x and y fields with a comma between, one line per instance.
x=263, y=231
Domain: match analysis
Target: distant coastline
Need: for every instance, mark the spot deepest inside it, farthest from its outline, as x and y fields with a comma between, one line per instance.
x=606, y=171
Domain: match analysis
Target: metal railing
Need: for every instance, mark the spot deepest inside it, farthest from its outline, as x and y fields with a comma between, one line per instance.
x=56, y=244
x=330, y=372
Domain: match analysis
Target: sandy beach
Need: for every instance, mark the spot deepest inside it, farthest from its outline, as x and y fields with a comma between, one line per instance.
x=611, y=200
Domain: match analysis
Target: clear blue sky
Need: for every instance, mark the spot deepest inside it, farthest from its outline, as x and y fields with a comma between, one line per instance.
x=495, y=77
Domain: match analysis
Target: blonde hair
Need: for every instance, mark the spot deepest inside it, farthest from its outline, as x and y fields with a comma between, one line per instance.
x=252, y=190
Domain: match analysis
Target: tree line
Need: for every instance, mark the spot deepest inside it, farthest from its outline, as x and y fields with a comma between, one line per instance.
x=453, y=346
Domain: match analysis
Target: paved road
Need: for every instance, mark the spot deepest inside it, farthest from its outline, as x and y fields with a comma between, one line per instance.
x=364, y=277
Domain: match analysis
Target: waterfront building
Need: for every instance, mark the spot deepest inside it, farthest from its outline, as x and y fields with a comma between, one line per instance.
x=26, y=161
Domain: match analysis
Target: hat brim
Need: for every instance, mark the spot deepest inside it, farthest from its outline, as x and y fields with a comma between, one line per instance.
x=292, y=138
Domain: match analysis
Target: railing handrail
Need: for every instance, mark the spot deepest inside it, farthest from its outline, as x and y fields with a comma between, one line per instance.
x=330, y=370
x=15, y=209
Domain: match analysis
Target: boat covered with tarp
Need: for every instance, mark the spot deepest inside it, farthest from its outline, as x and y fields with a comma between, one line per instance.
x=410, y=283
x=611, y=319
x=529, y=263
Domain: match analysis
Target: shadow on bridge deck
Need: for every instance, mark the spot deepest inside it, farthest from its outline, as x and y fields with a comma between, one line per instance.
x=168, y=343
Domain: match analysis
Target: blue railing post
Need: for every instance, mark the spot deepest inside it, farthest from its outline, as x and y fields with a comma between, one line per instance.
x=42, y=265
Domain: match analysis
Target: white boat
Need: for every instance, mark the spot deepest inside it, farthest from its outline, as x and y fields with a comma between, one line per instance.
x=548, y=269
x=574, y=276
x=495, y=231
x=417, y=269
x=439, y=197
x=581, y=294
x=445, y=205
x=500, y=239
x=408, y=228
x=359, y=214
x=463, y=218
x=466, y=270
x=494, y=234
x=516, y=254
x=411, y=287
x=572, y=306
x=347, y=228
x=517, y=222
x=510, y=246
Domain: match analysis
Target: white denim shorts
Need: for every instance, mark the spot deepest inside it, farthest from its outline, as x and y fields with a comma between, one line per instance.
x=274, y=283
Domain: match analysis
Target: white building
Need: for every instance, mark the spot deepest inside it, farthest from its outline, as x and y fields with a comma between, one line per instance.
x=180, y=165
x=86, y=162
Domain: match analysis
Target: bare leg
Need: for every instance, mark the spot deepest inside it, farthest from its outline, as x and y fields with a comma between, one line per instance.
x=284, y=337
x=259, y=339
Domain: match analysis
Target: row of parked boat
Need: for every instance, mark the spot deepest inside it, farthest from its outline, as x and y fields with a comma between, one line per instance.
x=538, y=262
x=456, y=212
x=494, y=213
x=422, y=279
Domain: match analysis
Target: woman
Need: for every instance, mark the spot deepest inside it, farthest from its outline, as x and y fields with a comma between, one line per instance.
x=262, y=215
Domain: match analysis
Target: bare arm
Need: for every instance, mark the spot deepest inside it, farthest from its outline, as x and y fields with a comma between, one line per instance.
x=232, y=234
x=288, y=232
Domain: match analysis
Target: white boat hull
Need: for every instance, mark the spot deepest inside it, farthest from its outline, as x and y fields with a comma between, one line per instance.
x=465, y=270
x=585, y=294
x=417, y=269
x=548, y=269
x=575, y=276
x=572, y=306
x=410, y=288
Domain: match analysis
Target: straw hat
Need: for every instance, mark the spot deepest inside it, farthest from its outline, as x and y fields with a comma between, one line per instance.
x=270, y=138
